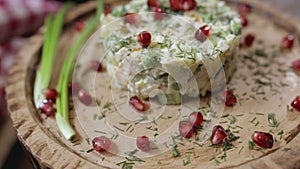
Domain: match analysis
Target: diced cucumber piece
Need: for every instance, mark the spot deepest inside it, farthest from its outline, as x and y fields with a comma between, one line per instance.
x=169, y=99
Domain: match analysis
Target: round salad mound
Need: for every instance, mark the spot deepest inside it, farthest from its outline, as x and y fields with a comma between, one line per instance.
x=160, y=48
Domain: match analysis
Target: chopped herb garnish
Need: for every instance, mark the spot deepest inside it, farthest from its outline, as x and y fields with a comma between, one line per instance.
x=250, y=145
x=175, y=151
x=286, y=149
x=280, y=133
x=187, y=161
x=272, y=120
x=90, y=150
x=241, y=150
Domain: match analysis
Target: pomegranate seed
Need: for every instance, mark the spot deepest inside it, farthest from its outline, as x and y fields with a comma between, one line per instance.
x=186, y=129
x=249, y=39
x=185, y=5
x=296, y=103
x=138, y=104
x=296, y=64
x=153, y=3
x=143, y=143
x=202, y=33
x=79, y=26
x=85, y=97
x=262, y=139
x=144, y=39
x=196, y=118
x=218, y=135
x=96, y=66
x=158, y=13
x=244, y=21
x=189, y=5
x=287, y=42
x=51, y=94
x=130, y=18
x=47, y=107
x=229, y=98
x=101, y=143
x=107, y=9
x=74, y=88
x=244, y=9
x=176, y=5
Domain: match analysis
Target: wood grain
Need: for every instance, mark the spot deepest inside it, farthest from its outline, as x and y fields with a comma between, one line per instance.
x=40, y=135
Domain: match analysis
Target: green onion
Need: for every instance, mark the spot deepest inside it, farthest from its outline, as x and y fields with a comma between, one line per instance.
x=53, y=26
x=62, y=114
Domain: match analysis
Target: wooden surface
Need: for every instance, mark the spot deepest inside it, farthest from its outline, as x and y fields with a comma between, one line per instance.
x=41, y=137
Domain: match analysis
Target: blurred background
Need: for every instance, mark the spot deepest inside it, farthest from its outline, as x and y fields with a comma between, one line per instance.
x=18, y=20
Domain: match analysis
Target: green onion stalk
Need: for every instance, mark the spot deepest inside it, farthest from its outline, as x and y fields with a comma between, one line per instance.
x=53, y=25
x=62, y=114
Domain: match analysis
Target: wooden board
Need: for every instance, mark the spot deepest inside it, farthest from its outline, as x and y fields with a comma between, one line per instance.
x=43, y=140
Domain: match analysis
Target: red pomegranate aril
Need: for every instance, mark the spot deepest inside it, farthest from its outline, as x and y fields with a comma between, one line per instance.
x=296, y=64
x=47, y=107
x=107, y=9
x=73, y=88
x=153, y=3
x=262, y=139
x=244, y=9
x=249, y=39
x=51, y=94
x=186, y=129
x=138, y=104
x=101, y=143
x=158, y=13
x=218, y=135
x=296, y=103
x=202, y=33
x=244, y=21
x=144, y=39
x=96, y=66
x=176, y=5
x=79, y=26
x=85, y=97
x=196, y=118
x=229, y=98
x=287, y=42
x=185, y=5
x=189, y=5
x=143, y=143
x=130, y=18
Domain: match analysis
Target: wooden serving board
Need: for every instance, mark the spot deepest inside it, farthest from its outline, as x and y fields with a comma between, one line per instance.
x=263, y=82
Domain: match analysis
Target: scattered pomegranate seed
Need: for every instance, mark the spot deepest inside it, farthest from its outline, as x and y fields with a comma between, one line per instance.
x=74, y=88
x=144, y=39
x=51, y=94
x=158, y=13
x=296, y=64
x=96, y=66
x=244, y=8
x=249, y=39
x=185, y=5
x=101, y=143
x=138, y=104
x=189, y=5
x=107, y=9
x=229, y=98
x=186, y=129
x=47, y=107
x=296, y=103
x=202, y=33
x=130, y=18
x=196, y=119
x=287, y=42
x=154, y=3
x=262, y=139
x=218, y=135
x=244, y=21
x=143, y=143
x=85, y=97
x=79, y=26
